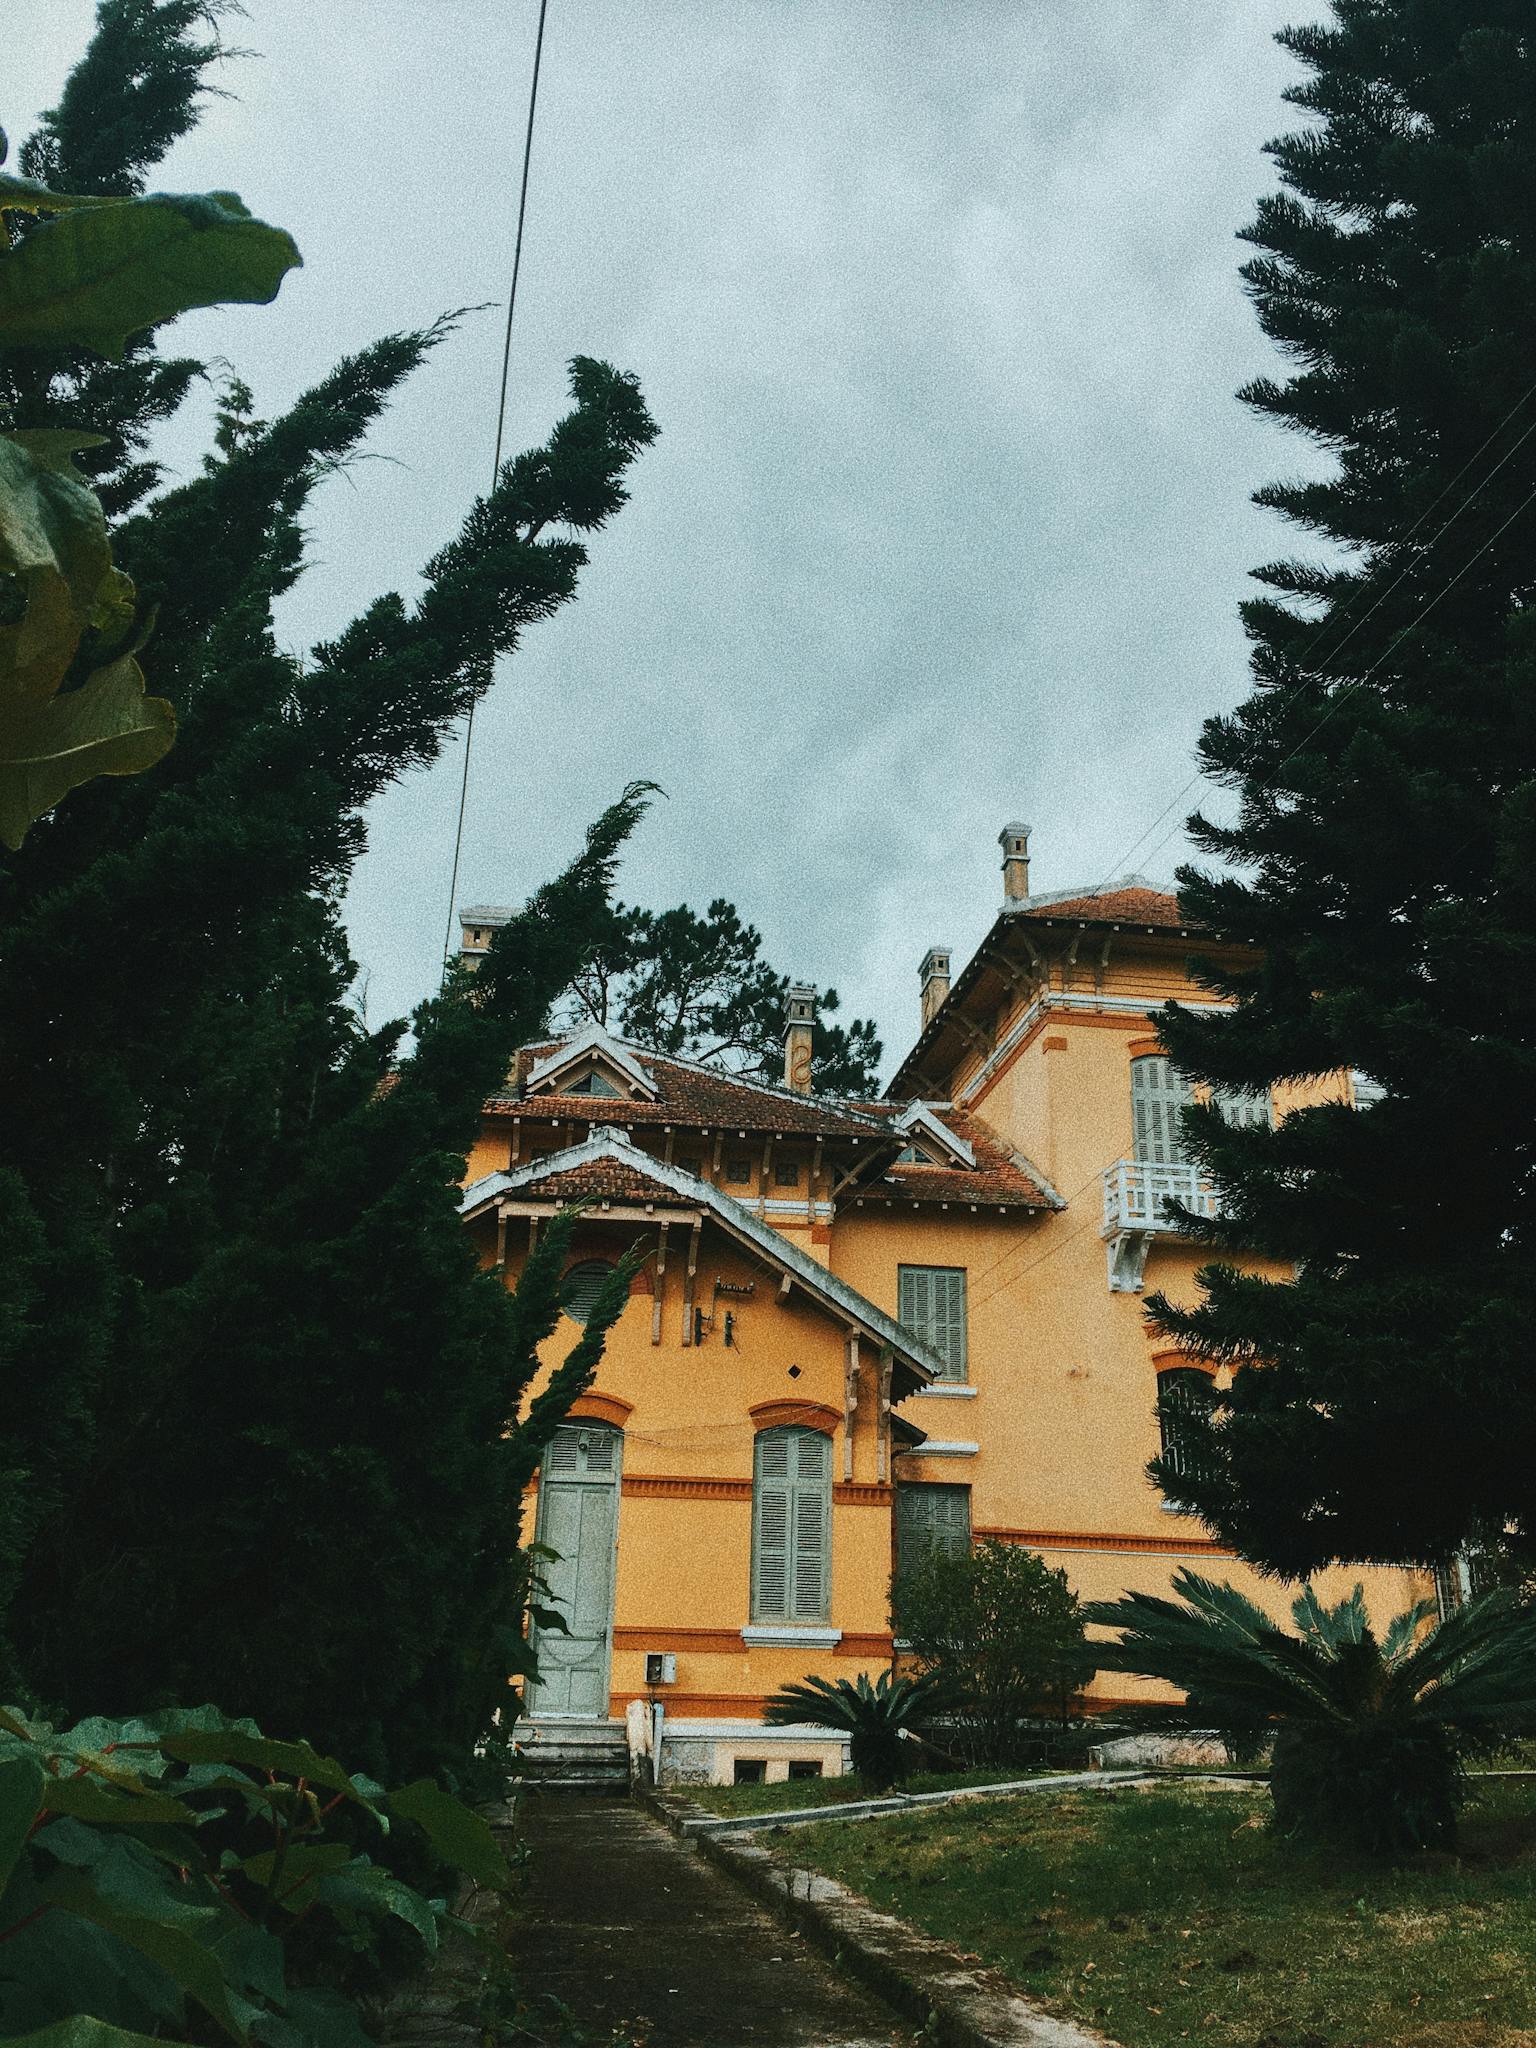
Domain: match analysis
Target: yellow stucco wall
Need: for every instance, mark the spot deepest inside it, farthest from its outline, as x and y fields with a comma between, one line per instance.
x=1062, y=1370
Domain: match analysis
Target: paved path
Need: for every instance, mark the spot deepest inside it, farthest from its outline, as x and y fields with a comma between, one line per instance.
x=625, y=1923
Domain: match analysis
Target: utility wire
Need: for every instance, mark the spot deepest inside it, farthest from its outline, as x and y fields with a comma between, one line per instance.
x=501, y=423
x=1326, y=626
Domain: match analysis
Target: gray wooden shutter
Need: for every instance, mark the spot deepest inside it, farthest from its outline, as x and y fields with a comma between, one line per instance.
x=791, y=1525
x=931, y=1518
x=1184, y=1396
x=1243, y=1108
x=931, y=1304
x=1158, y=1092
x=581, y=1287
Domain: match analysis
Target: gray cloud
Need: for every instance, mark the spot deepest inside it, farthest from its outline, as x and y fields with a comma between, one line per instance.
x=937, y=308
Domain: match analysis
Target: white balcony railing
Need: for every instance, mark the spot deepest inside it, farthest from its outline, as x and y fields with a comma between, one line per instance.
x=1137, y=1193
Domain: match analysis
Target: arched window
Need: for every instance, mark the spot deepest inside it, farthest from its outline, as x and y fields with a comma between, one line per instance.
x=1158, y=1092
x=791, y=1525
x=1185, y=1397
x=581, y=1287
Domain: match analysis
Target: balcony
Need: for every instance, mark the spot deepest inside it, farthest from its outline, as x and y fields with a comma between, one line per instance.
x=1136, y=1197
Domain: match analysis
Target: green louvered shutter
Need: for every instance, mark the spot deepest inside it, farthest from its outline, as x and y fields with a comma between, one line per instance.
x=931, y=1518
x=791, y=1525
x=1158, y=1093
x=931, y=1304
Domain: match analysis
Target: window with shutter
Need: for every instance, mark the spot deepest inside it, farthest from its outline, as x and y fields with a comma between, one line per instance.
x=1158, y=1093
x=931, y=1304
x=791, y=1526
x=1184, y=1398
x=1243, y=1108
x=931, y=1519
x=581, y=1287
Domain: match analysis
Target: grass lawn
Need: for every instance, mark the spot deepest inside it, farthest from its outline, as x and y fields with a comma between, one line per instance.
x=834, y=1791
x=1173, y=1914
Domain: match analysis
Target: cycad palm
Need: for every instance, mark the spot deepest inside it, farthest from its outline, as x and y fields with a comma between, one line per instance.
x=875, y=1716
x=1368, y=1730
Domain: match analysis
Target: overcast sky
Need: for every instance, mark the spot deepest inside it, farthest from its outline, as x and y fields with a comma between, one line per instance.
x=937, y=307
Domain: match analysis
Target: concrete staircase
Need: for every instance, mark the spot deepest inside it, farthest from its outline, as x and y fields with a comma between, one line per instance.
x=574, y=1756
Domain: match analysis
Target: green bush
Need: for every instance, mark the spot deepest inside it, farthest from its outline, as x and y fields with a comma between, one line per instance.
x=1004, y=1635
x=184, y=1876
x=880, y=1719
x=1369, y=1733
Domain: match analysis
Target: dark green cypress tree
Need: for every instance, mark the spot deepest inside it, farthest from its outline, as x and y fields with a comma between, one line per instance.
x=1383, y=855
x=255, y=1391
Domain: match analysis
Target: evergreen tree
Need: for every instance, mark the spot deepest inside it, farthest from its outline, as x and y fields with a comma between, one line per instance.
x=700, y=987
x=256, y=1392
x=1383, y=857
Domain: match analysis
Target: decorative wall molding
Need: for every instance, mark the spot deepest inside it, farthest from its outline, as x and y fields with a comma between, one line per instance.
x=861, y=1493
x=593, y=1407
x=865, y=1646
x=1092, y=1540
x=658, y=1486
x=701, y=1641
x=795, y=1415
x=1172, y=1359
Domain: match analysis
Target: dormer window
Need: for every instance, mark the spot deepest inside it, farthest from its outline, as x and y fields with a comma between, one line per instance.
x=914, y=1155
x=590, y=1083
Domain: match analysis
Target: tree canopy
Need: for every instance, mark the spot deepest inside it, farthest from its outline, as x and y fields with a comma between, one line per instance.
x=257, y=1393
x=1382, y=855
x=700, y=987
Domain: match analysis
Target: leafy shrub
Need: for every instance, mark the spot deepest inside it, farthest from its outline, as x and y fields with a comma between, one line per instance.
x=879, y=1718
x=183, y=1872
x=1004, y=1634
x=1369, y=1733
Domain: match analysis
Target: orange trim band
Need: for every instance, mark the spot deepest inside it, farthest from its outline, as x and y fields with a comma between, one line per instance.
x=601, y=1408
x=864, y=1646
x=1056, y=1042
x=654, y=1486
x=795, y=1415
x=862, y=1493
x=1093, y=1539
x=1147, y=1049
x=703, y=1641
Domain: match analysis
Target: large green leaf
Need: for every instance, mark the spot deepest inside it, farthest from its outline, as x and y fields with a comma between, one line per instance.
x=53, y=541
x=88, y=1798
x=159, y=1930
x=95, y=275
x=364, y=1891
x=83, y=2032
x=108, y=726
x=21, y=1796
x=456, y=1832
x=234, y=1745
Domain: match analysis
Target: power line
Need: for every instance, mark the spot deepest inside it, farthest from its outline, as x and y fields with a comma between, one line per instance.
x=501, y=422
x=1325, y=626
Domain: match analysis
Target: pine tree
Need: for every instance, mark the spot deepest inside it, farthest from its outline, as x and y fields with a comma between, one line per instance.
x=700, y=987
x=1383, y=858
x=256, y=1391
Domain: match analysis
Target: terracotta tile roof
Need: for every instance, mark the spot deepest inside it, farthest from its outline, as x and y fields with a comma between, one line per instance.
x=602, y=1180
x=1116, y=906
x=1001, y=1177
x=686, y=1093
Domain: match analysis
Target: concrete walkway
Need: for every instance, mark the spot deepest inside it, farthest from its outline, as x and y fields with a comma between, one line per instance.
x=624, y=1923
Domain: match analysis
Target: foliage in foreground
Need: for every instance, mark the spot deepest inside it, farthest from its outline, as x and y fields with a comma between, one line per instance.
x=181, y=1872
x=1003, y=1632
x=1368, y=1732
x=1379, y=869
x=255, y=1445
x=700, y=987
x=1173, y=1915
x=881, y=1719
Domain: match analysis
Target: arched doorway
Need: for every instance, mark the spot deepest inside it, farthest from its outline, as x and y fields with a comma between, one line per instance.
x=579, y=1518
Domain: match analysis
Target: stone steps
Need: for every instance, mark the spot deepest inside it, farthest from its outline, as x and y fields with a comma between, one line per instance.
x=574, y=1756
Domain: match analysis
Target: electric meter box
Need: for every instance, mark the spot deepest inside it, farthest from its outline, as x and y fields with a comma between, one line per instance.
x=660, y=1667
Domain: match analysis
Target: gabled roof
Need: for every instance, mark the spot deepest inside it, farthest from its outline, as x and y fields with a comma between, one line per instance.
x=1000, y=1178
x=607, y=1156
x=918, y=1119
x=592, y=1042
x=684, y=1092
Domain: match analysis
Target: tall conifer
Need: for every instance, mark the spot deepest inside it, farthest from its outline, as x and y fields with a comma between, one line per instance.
x=256, y=1394
x=1383, y=854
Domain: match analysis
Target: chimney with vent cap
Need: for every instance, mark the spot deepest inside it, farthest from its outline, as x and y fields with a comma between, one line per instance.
x=934, y=976
x=1014, y=840
x=799, y=1030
